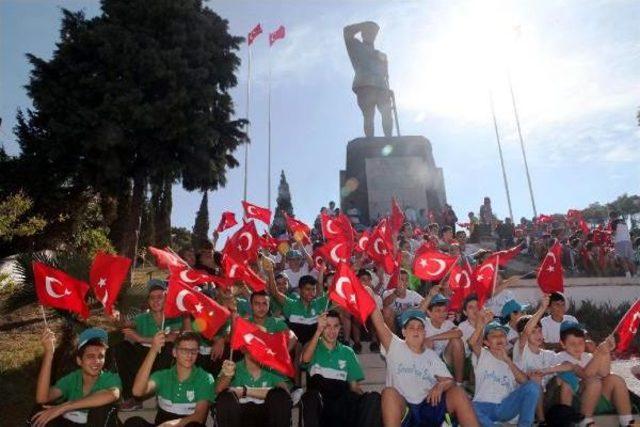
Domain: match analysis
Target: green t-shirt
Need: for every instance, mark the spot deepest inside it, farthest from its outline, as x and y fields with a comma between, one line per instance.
x=340, y=363
x=243, y=307
x=295, y=310
x=267, y=378
x=180, y=398
x=71, y=388
x=272, y=324
x=275, y=308
x=146, y=325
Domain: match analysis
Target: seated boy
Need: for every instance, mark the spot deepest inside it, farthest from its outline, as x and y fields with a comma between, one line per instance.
x=551, y=323
x=260, y=307
x=419, y=389
x=502, y=389
x=251, y=396
x=184, y=391
x=88, y=393
x=333, y=395
x=444, y=337
x=398, y=300
x=591, y=379
x=511, y=311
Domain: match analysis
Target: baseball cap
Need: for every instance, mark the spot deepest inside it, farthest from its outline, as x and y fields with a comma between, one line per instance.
x=90, y=334
x=495, y=325
x=570, y=324
x=512, y=306
x=410, y=315
x=294, y=254
x=154, y=284
x=438, y=299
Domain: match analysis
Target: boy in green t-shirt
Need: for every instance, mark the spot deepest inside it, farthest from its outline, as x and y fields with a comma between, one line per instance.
x=184, y=391
x=333, y=395
x=88, y=393
x=252, y=396
x=138, y=335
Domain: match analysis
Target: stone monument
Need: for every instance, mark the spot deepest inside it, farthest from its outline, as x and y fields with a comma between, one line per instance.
x=379, y=168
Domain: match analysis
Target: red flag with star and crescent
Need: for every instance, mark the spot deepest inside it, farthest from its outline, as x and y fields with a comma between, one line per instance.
x=347, y=291
x=239, y=271
x=484, y=277
x=245, y=243
x=108, y=273
x=430, y=264
x=227, y=220
x=256, y=212
x=276, y=35
x=363, y=240
x=165, y=258
x=253, y=34
x=336, y=228
x=57, y=289
x=268, y=349
x=208, y=315
x=460, y=283
x=336, y=251
x=191, y=277
x=380, y=247
x=550, y=274
x=298, y=229
x=628, y=327
x=397, y=216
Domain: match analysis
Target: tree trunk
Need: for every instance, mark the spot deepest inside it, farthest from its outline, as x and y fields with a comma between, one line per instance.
x=161, y=203
x=118, y=226
x=132, y=230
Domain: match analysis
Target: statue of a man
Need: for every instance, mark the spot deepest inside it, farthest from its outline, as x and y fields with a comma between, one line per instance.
x=371, y=82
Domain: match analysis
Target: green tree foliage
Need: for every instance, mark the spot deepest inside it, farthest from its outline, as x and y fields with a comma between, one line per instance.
x=14, y=219
x=136, y=95
x=201, y=226
x=626, y=205
x=181, y=238
x=283, y=204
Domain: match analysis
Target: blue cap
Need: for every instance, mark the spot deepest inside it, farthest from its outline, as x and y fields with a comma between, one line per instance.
x=92, y=333
x=438, y=299
x=294, y=254
x=495, y=325
x=154, y=284
x=512, y=306
x=570, y=324
x=410, y=315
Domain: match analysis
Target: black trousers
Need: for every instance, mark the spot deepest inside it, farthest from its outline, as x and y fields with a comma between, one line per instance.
x=274, y=412
x=326, y=403
x=129, y=357
x=161, y=417
x=102, y=416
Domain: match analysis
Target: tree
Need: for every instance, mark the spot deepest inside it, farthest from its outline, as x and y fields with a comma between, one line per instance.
x=147, y=227
x=201, y=226
x=180, y=239
x=283, y=204
x=161, y=204
x=14, y=219
x=136, y=95
x=626, y=205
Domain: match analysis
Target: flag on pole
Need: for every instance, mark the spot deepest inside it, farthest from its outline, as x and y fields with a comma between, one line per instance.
x=227, y=220
x=256, y=212
x=253, y=34
x=57, y=289
x=166, y=258
x=628, y=327
x=276, y=35
x=106, y=276
x=550, y=277
x=347, y=291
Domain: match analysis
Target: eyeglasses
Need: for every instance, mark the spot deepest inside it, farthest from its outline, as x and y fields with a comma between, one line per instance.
x=188, y=351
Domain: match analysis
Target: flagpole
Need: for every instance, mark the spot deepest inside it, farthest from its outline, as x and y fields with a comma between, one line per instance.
x=44, y=317
x=495, y=276
x=269, y=131
x=504, y=173
x=246, y=146
x=524, y=154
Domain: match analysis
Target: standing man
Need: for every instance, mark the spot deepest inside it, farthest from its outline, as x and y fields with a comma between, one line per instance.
x=370, y=83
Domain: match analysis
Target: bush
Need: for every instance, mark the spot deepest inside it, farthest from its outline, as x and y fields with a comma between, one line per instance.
x=600, y=319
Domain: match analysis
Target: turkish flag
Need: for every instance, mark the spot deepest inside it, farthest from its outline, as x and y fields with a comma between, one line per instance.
x=336, y=228
x=543, y=219
x=318, y=259
x=380, y=247
x=336, y=251
x=255, y=211
x=245, y=242
x=239, y=271
x=361, y=244
x=191, y=277
x=298, y=229
x=227, y=221
x=166, y=258
x=253, y=34
x=397, y=216
x=505, y=256
x=550, y=277
x=460, y=283
x=628, y=327
x=106, y=276
x=208, y=315
x=57, y=289
x=276, y=35
x=395, y=276
x=268, y=349
x=484, y=277
x=432, y=265
x=347, y=291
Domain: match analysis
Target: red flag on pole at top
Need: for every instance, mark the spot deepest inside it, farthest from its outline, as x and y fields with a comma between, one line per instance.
x=57, y=289
x=106, y=276
x=550, y=277
x=253, y=34
x=276, y=35
x=227, y=220
x=256, y=212
x=628, y=327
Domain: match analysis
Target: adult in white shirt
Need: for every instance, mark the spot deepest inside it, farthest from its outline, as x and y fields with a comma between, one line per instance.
x=417, y=379
x=551, y=323
x=502, y=389
x=398, y=300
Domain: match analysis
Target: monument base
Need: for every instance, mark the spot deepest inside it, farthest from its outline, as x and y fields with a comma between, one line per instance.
x=380, y=168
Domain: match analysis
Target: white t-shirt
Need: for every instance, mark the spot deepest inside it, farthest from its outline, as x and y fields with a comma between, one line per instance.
x=413, y=374
x=294, y=276
x=529, y=361
x=467, y=330
x=430, y=330
x=411, y=299
x=621, y=233
x=551, y=328
x=512, y=337
x=584, y=360
x=496, y=303
x=494, y=379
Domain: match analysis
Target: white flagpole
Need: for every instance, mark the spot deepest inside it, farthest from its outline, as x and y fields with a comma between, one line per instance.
x=246, y=146
x=504, y=173
x=269, y=137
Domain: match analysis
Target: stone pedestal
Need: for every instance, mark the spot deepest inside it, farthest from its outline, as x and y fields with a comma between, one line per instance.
x=380, y=168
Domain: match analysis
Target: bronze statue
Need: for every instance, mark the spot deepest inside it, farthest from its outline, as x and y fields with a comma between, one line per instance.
x=371, y=81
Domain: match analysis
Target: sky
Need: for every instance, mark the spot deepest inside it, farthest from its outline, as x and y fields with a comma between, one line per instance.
x=574, y=67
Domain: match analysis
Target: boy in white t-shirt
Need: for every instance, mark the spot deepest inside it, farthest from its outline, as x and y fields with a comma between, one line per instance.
x=591, y=379
x=503, y=391
x=467, y=327
x=398, y=300
x=443, y=336
x=419, y=389
x=512, y=310
x=551, y=323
